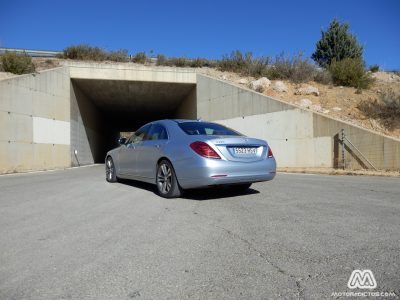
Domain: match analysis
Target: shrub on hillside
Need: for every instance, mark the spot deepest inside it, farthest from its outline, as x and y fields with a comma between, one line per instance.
x=201, y=62
x=118, y=56
x=235, y=62
x=246, y=64
x=178, y=62
x=350, y=72
x=374, y=68
x=17, y=63
x=323, y=76
x=386, y=110
x=140, y=58
x=86, y=52
x=391, y=101
x=161, y=60
x=296, y=69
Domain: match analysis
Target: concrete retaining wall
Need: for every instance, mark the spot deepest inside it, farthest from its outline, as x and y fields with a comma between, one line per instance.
x=87, y=129
x=30, y=107
x=299, y=138
x=45, y=116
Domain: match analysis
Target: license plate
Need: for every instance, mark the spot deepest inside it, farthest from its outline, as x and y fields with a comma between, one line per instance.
x=245, y=151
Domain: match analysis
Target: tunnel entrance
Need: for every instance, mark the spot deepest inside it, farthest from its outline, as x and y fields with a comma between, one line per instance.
x=101, y=109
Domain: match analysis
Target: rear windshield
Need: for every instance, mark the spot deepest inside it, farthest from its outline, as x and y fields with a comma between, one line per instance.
x=204, y=128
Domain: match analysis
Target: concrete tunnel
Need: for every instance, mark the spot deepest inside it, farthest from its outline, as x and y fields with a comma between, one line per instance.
x=102, y=108
x=46, y=116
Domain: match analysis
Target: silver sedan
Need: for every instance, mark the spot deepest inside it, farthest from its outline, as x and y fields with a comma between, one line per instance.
x=182, y=154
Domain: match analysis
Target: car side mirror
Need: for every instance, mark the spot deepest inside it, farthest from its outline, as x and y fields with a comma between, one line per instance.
x=122, y=141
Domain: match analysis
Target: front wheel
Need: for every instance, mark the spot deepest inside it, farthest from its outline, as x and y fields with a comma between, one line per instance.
x=167, y=184
x=111, y=175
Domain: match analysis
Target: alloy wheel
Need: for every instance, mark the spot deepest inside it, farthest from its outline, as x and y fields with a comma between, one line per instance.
x=164, y=178
x=109, y=169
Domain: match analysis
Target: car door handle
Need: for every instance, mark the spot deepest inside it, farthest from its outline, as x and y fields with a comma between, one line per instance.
x=157, y=146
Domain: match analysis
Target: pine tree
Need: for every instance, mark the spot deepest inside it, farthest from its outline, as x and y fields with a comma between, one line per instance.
x=336, y=43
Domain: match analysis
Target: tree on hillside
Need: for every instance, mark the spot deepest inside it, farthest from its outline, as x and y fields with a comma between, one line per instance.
x=336, y=44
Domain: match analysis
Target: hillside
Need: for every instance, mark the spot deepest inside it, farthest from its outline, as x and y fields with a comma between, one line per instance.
x=344, y=103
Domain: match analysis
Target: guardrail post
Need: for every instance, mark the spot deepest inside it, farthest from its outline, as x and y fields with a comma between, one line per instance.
x=343, y=150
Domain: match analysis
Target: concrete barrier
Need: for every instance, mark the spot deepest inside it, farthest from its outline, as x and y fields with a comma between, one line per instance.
x=31, y=106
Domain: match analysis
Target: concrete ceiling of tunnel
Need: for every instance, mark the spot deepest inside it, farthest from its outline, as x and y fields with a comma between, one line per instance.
x=118, y=96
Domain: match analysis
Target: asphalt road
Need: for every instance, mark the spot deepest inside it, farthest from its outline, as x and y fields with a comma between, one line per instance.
x=71, y=235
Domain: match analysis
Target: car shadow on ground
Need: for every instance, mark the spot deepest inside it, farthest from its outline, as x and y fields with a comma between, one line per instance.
x=214, y=193
x=211, y=193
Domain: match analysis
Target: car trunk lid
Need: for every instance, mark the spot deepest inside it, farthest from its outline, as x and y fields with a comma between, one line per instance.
x=242, y=149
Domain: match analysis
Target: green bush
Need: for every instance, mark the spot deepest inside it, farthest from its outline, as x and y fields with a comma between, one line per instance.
x=86, y=52
x=17, y=63
x=336, y=44
x=140, y=58
x=201, y=62
x=178, y=62
x=118, y=56
x=374, y=68
x=350, y=72
x=161, y=60
x=246, y=64
x=235, y=62
x=296, y=69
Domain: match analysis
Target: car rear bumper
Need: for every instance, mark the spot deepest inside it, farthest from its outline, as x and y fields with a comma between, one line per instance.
x=203, y=172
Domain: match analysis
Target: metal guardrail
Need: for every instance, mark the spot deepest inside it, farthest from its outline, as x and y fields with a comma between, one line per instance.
x=30, y=52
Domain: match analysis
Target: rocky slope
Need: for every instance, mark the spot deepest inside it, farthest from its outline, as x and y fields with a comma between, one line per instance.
x=344, y=103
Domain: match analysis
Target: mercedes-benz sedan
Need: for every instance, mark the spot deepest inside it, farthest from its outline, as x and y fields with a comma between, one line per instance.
x=182, y=154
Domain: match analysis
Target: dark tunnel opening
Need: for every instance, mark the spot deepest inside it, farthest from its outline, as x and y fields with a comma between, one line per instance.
x=102, y=109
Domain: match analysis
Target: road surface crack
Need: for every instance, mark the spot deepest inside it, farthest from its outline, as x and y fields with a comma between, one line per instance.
x=300, y=289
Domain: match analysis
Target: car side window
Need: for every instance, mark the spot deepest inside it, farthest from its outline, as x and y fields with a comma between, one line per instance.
x=140, y=135
x=157, y=132
x=130, y=139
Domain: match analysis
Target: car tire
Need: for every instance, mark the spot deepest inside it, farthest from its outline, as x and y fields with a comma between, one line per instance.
x=166, y=182
x=111, y=175
x=241, y=188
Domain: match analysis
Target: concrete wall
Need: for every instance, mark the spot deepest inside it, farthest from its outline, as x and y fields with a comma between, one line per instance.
x=188, y=107
x=87, y=129
x=298, y=137
x=30, y=107
x=45, y=116
x=293, y=143
x=130, y=72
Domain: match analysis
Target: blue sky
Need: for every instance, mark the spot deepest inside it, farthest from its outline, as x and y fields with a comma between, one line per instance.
x=201, y=28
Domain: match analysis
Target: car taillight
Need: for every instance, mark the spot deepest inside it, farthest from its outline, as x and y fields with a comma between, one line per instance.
x=270, y=154
x=203, y=149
